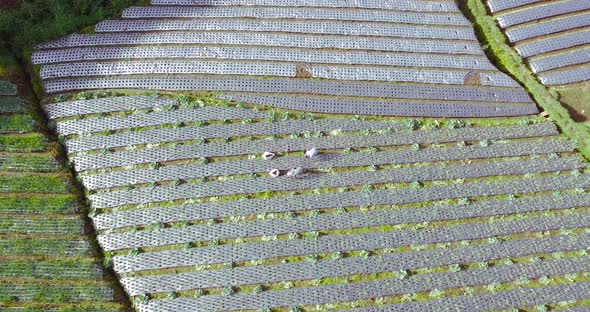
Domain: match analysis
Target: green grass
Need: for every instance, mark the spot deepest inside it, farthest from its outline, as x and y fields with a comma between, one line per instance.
x=57, y=269
x=497, y=49
x=50, y=183
x=67, y=225
x=38, y=21
x=34, y=142
x=16, y=123
x=16, y=204
x=28, y=162
x=57, y=247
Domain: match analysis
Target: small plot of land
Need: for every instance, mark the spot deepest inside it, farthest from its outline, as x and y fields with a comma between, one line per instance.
x=391, y=214
x=46, y=258
x=402, y=58
x=554, y=39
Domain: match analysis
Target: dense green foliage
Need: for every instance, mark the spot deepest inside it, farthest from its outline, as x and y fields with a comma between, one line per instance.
x=38, y=21
x=33, y=142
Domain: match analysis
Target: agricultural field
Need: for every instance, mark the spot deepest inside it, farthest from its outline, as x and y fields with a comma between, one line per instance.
x=48, y=259
x=554, y=39
x=297, y=155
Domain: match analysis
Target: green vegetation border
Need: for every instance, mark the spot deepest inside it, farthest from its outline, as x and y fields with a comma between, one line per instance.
x=504, y=56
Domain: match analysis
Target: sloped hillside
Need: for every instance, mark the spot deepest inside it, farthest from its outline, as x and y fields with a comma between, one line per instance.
x=317, y=156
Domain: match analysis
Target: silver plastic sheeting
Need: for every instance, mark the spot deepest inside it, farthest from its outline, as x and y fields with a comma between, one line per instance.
x=332, y=243
x=523, y=297
x=403, y=59
x=384, y=108
x=306, y=27
x=405, y=5
x=126, y=158
x=305, y=86
x=317, y=13
x=554, y=43
x=167, y=67
x=499, y=5
x=560, y=60
x=266, y=39
x=365, y=290
x=543, y=10
x=548, y=27
x=408, y=75
x=258, y=228
x=258, y=165
x=562, y=77
x=226, y=209
x=90, y=125
x=105, y=105
x=347, y=266
x=314, y=181
x=162, y=135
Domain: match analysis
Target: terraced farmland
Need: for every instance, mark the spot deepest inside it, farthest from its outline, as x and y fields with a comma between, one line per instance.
x=553, y=36
x=403, y=58
x=47, y=261
x=244, y=156
x=390, y=213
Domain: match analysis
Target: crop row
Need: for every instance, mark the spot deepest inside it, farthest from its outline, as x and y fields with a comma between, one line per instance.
x=363, y=290
x=476, y=62
x=106, y=105
x=500, y=5
x=305, y=270
x=554, y=43
x=341, y=27
x=173, y=236
x=57, y=204
x=51, y=183
x=521, y=297
x=405, y=5
x=548, y=27
x=68, y=225
x=163, y=135
x=211, y=113
x=44, y=247
x=559, y=60
x=7, y=88
x=11, y=104
x=61, y=269
x=226, y=209
x=27, y=162
x=259, y=165
x=343, y=243
x=307, y=86
x=567, y=76
x=19, y=123
x=228, y=67
x=34, y=142
x=385, y=108
x=191, y=151
x=54, y=294
x=542, y=11
x=270, y=40
x=320, y=13
x=322, y=180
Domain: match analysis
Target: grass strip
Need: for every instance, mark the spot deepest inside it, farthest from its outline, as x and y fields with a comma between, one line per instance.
x=505, y=57
x=34, y=142
x=16, y=123
x=29, y=163
x=16, y=204
x=53, y=183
